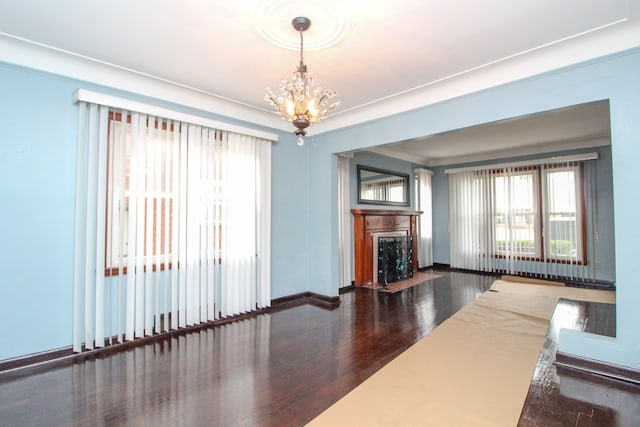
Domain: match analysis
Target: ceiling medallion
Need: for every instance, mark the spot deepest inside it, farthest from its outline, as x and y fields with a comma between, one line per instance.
x=331, y=22
x=298, y=102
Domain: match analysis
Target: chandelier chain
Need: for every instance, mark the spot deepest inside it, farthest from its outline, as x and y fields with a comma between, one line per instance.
x=301, y=47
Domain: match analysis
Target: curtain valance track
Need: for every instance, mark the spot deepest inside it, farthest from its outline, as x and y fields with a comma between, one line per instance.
x=154, y=110
x=524, y=163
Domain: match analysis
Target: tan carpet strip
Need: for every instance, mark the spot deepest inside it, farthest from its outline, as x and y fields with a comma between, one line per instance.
x=473, y=370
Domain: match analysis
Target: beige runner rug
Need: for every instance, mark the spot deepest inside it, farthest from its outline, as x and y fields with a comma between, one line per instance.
x=473, y=370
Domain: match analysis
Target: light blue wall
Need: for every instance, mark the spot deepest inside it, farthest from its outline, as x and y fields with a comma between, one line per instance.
x=603, y=259
x=37, y=170
x=289, y=218
x=440, y=216
x=614, y=78
x=38, y=127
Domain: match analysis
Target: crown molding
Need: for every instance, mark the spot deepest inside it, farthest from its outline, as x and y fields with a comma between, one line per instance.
x=56, y=61
x=612, y=39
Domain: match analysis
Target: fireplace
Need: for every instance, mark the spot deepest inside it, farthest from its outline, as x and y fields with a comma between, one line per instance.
x=395, y=259
x=371, y=224
x=375, y=244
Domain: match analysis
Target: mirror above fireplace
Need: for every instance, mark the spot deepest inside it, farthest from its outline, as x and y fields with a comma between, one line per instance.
x=382, y=187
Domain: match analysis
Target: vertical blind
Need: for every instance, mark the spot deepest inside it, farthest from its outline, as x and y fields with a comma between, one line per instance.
x=523, y=218
x=425, y=220
x=344, y=222
x=172, y=225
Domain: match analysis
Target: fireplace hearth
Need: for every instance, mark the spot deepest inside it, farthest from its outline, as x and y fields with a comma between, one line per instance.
x=395, y=259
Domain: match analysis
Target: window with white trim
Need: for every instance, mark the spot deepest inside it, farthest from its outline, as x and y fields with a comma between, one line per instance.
x=538, y=213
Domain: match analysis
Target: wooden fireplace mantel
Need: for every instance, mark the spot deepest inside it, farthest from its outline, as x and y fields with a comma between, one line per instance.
x=367, y=222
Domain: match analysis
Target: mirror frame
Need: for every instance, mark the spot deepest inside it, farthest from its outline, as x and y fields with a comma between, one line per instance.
x=407, y=201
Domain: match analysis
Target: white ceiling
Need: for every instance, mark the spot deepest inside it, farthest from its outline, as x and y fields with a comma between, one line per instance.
x=393, y=55
x=579, y=126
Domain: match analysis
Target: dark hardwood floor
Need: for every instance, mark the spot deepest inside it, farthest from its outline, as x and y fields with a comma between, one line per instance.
x=280, y=368
x=565, y=397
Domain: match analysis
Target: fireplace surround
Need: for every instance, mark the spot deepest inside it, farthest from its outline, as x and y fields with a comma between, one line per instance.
x=368, y=225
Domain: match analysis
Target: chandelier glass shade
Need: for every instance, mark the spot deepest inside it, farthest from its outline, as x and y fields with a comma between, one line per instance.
x=298, y=102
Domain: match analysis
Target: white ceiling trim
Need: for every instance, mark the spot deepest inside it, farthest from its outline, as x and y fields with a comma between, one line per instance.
x=38, y=56
x=620, y=36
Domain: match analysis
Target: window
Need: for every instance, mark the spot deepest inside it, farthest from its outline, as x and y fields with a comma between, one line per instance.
x=153, y=191
x=516, y=222
x=564, y=214
x=538, y=213
x=524, y=218
x=143, y=187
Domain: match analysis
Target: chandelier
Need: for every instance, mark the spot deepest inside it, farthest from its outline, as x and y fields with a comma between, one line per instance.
x=298, y=102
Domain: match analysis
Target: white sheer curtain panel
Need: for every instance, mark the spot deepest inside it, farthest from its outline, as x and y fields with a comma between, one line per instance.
x=172, y=225
x=344, y=221
x=522, y=219
x=425, y=222
x=466, y=219
x=246, y=212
